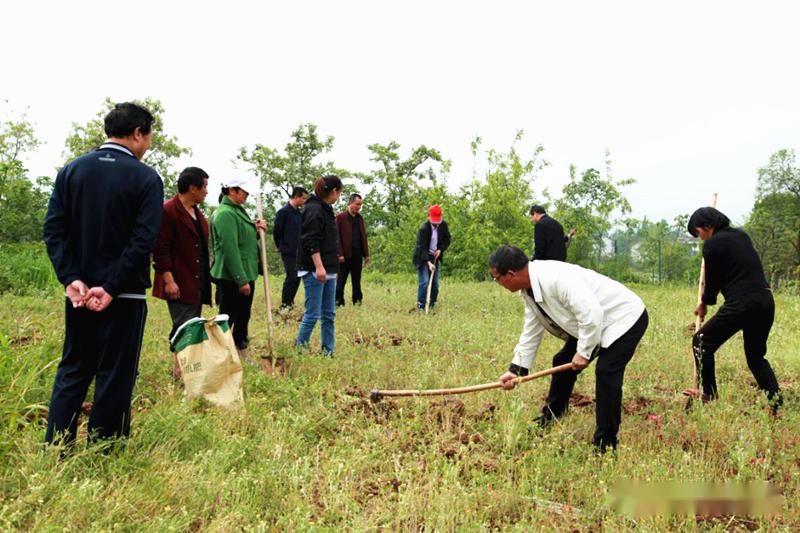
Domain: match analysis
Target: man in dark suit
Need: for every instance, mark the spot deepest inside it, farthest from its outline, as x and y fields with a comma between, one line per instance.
x=433, y=238
x=101, y=225
x=180, y=258
x=285, y=232
x=549, y=241
x=353, y=248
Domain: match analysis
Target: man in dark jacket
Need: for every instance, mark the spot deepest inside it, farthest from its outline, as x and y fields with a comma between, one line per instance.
x=353, y=248
x=549, y=241
x=732, y=267
x=102, y=222
x=180, y=258
x=285, y=232
x=433, y=238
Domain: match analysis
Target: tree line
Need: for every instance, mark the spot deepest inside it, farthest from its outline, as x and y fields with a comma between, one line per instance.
x=489, y=210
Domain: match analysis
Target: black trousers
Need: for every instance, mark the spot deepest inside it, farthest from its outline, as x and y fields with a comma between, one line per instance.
x=180, y=313
x=609, y=375
x=103, y=347
x=352, y=265
x=237, y=306
x=291, y=283
x=752, y=314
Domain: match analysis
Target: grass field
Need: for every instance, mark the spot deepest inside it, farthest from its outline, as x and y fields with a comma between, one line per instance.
x=308, y=453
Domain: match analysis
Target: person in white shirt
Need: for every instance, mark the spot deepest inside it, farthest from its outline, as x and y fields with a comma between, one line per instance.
x=597, y=317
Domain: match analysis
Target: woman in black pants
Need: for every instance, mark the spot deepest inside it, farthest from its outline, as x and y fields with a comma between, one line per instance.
x=733, y=268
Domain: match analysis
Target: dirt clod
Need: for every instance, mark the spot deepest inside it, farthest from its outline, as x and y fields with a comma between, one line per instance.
x=636, y=405
x=277, y=366
x=580, y=400
x=355, y=391
x=486, y=412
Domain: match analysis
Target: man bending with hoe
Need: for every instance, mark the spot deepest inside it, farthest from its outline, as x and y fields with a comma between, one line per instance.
x=101, y=225
x=597, y=317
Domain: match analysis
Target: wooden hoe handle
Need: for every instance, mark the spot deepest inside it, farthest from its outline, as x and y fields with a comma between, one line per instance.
x=376, y=394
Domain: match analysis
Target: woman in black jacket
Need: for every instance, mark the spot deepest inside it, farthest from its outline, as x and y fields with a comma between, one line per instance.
x=732, y=267
x=318, y=262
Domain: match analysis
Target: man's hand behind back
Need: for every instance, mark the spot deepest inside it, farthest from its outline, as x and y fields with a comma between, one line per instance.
x=76, y=292
x=97, y=299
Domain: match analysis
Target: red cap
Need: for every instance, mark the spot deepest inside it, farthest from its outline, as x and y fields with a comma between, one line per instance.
x=435, y=214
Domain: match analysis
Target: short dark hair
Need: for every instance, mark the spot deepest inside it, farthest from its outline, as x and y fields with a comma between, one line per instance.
x=507, y=258
x=123, y=120
x=297, y=192
x=325, y=185
x=191, y=176
x=706, y=217
x=352, y=198
x=537, y=209
x=227, y=190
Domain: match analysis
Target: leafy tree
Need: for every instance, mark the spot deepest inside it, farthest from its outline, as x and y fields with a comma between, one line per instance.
x=664, y=251
x=279, y=172
x=774, y=227
x=396, y=181
x=23, y=202
x=590, y=203
x=781, y=175
x=774, y=223
x=16, y=139
x=162, y=155
x=494, y=211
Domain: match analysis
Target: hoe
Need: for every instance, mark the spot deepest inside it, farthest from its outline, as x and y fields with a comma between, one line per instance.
x=377, y=395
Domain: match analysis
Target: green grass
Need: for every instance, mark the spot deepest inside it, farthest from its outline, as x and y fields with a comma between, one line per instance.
x=25, y=269
x=307, y=454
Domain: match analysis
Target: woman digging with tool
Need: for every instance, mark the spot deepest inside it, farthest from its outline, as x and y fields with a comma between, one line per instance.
x=733, y=268
x=597, y=317
x=318, y=263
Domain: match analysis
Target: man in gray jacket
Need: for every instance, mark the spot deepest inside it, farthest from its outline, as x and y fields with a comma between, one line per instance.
x=597, y=317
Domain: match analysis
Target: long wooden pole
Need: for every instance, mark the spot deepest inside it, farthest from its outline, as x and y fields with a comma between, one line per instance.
x=378, y=394
x=698, y=321
x=267, y=300
x=430, y=284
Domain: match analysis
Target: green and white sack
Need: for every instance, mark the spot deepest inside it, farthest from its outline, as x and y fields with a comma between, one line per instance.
x=209, y=361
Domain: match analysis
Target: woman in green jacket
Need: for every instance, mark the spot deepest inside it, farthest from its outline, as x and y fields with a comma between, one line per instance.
x=235, y=238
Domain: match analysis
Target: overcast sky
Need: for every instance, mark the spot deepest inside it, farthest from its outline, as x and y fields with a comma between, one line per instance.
x=690, y=98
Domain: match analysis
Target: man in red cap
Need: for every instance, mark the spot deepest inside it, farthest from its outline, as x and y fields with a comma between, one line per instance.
x=433, y=238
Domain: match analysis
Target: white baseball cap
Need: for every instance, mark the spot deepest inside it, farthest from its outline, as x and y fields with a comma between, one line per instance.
x=246, y=184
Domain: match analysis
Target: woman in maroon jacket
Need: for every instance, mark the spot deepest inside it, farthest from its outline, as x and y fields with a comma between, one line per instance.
x=180, y=257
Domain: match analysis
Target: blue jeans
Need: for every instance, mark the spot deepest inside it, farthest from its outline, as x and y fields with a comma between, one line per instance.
x=320, y=305
x=423, y=276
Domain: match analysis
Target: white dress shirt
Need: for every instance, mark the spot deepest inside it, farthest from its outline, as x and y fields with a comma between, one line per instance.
x=594, y=309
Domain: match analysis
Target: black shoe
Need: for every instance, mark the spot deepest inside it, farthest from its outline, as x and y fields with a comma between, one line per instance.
x=603, y=448
x=540, y=425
